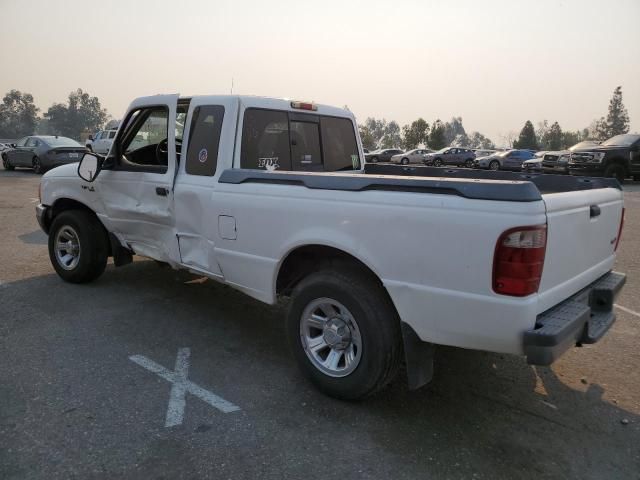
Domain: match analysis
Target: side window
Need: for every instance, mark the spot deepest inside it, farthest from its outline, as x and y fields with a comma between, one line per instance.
x=99, y=136
x=339, y=144
x=22, y=142
x=32, y=142
x=305, y=146
x=204, y=139
x=265, y=140
x=143, y=142
x=112, y=134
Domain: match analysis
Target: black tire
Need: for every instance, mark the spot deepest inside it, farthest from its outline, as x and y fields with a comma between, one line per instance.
x=468, y=163
x=7, y=164
x=374, y=160
x=437, y=162
x=494, y=165
x=377, y=321
x=93, y=246
x=405, y=161
x=617, y=171
x=37, y=165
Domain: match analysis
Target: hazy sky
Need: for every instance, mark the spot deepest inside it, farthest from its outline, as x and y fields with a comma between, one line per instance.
x=495, y=63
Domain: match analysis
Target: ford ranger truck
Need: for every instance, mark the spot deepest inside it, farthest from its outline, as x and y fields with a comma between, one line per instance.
x=273, y=198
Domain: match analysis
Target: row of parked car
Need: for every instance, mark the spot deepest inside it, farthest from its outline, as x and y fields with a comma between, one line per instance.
x=617, y=157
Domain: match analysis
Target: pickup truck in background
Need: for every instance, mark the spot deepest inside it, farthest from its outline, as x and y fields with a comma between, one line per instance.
x=618, y=157
x=272, y=197
x=101, y=141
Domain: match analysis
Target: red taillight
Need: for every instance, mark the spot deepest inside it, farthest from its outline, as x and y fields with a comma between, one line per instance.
x=619, y=231
x=518, y=260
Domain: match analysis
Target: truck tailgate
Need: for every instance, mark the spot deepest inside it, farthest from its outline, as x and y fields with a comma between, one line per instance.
x=581, y=239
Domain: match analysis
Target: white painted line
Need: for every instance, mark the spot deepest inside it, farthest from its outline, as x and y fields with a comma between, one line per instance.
x=628, y=310
x=180, y=386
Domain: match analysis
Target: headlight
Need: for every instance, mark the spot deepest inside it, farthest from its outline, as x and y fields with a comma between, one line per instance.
x=564, y=158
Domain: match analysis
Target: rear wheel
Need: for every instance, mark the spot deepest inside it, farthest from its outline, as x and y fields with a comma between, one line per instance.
x=37, y=165
x=7, y=164
x=469, y=163
x=344, y=332
x=78, y=246
x=437, y=162
x=374, y=159
x=617, y=171
x=405, y=161
x=494, y=165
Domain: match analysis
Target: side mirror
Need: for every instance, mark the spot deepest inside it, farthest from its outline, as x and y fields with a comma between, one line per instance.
x=89, y=167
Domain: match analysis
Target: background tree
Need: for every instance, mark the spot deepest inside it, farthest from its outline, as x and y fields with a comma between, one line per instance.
x=415, y=134
x=18, y=115
x=452, y=129
x=391, y=137
x=509, y=139
x=527, y=138
x=461, y=140
x=478, y=140
x=372, y=132
x=598, y=130
x=569, y=139
x=551, y=137
x=617, y=121
x=82, y=112
x=437, y=139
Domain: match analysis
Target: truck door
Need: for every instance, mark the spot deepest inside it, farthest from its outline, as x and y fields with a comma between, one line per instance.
x=136, y=184
x=209, y=139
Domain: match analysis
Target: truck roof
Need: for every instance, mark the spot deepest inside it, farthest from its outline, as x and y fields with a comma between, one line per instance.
x=277, y=104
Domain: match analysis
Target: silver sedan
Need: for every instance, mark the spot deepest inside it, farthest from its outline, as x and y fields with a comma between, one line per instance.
x=412, y=156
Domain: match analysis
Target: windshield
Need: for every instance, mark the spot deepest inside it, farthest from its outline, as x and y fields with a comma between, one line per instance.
x=585, y=144
x=61, y=142
x=622, y=140
x=443, y=150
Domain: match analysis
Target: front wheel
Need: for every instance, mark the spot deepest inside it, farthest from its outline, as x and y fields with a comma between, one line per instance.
x=617, y=171
x=405, y=161
x=344, y=332
x=437, y=162
x=494, y=165
x=7, y=164
x=374, y=160
x=78, y=246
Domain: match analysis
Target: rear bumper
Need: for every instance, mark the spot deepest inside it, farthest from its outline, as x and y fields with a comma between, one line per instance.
x=583, y=318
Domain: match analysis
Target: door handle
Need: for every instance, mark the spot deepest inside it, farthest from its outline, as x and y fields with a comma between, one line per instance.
x=594, y=211
x=162, y=191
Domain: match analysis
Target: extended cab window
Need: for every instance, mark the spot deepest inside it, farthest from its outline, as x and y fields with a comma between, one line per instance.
x=144, y=141
x=265, y=140
x=204, y=139
x=279, y=140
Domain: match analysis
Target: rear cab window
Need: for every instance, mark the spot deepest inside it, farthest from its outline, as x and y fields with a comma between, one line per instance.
x=291, y=141
x=204, y=140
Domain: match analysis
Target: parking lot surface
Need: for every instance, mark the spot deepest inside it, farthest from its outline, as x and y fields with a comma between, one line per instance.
x=97, y=381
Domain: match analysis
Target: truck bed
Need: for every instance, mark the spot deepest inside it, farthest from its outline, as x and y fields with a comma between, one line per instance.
x=472, y=184
x=545, y=183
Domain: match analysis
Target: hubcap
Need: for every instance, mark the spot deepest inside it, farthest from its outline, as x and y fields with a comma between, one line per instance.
x=330, y=337
x=67, y=248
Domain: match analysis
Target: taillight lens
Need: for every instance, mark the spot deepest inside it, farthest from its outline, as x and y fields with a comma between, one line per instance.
x=619, y=231
x=518, y=260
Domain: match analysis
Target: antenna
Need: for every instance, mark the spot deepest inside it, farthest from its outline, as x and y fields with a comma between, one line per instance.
x=231, y=85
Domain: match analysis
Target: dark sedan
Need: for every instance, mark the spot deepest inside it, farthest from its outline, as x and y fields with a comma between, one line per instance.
x=383, y=155
x=42, y=153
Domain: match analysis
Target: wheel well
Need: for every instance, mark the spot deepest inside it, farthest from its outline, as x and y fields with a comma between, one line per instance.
x=305, y=260
x=64, y=204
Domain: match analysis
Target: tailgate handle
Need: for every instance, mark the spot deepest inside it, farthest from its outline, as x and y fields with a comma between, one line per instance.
x=594, y=211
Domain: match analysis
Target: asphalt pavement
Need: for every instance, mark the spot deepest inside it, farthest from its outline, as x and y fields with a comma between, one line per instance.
x=153, y=373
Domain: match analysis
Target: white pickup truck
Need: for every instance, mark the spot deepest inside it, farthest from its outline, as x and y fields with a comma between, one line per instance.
x=381, y=262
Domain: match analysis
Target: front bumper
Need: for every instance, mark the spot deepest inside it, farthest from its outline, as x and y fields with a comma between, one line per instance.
x=591, y=170
x=42, y=215
x=583, y=318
